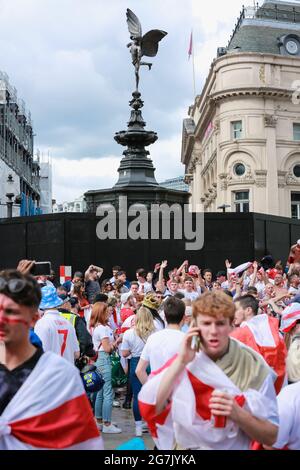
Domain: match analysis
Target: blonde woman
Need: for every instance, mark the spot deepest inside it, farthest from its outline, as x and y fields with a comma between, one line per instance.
x=132, y=345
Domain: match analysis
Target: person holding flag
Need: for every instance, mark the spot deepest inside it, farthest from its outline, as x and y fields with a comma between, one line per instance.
x=221, y=397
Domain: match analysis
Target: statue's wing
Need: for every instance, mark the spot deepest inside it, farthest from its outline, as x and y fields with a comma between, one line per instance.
x=150, y=42
x=134, y=25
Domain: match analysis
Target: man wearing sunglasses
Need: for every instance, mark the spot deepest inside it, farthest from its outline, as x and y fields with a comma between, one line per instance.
x=43, y=404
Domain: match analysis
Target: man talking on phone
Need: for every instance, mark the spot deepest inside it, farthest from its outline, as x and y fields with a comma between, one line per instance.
x=221, y=397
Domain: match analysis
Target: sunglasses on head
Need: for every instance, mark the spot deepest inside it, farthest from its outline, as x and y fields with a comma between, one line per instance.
x=14, y=286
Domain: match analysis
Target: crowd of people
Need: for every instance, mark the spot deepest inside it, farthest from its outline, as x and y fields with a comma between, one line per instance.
x=211, y=361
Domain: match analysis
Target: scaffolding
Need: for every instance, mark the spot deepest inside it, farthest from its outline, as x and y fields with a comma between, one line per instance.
x=16, y=139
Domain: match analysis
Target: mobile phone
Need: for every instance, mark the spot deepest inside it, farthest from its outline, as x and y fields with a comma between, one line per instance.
x=196, y=339
x=196, y=343
x=41, y=268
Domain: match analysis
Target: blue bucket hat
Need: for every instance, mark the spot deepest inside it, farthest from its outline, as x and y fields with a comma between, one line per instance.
x=50, y=298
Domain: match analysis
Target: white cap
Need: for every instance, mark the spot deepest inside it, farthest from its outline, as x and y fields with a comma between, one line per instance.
x=298, y=242
x=125, y=297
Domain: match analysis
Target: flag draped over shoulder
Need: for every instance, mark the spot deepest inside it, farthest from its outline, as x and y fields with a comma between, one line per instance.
x=261, y=333
x=190, y=51
x=289, y=317
x=50, y=411
x=186, y=419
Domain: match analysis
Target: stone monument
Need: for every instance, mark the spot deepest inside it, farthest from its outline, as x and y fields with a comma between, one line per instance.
x=136, y=171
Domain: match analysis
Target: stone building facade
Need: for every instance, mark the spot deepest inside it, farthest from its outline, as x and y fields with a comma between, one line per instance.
x=241, y=141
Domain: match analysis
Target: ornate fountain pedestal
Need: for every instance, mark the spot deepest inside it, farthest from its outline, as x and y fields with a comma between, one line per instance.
x=136, y=171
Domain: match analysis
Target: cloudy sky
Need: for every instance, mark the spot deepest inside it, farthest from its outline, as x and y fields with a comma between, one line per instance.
x=69, y=62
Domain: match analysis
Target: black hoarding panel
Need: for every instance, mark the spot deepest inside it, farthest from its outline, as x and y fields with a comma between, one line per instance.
x=278, y=239
x=12, y=244
x=71, y=239
x=260, y=241
x=45, y=241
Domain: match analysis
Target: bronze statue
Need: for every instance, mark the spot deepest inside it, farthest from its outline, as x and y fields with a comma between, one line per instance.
x=141, y=45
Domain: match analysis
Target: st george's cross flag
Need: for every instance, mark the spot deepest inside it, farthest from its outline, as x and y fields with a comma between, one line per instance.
x=187, y=420
x=65, y=274
x=50, y=411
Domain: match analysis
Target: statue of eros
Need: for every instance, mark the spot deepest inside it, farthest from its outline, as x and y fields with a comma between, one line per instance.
x=140, y=46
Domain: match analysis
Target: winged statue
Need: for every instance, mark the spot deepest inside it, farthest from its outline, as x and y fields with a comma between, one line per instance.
x=140, y=45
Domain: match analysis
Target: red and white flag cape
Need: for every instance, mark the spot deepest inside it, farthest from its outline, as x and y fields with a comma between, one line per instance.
x=50, y=411
x=187, y=420
x=261, y=333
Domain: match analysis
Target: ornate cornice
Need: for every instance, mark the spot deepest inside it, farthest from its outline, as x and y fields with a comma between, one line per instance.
x=263, y=92
x=288, y=143
x=236, y=144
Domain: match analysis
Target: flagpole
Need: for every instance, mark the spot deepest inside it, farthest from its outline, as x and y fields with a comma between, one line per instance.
x=194, y=81
x=191, y=53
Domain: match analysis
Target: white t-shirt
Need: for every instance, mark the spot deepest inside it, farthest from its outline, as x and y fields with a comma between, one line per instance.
x=293, y=290
x=260, y=286
x=288, y=402
x=101, y=332
x=133, y=343
x=57, y=335
x=146, y=287
x=161, y=346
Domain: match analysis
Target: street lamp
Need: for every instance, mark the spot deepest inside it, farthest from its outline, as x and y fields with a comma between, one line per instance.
x=224, y=207
x=9, y=203
x=10, y=195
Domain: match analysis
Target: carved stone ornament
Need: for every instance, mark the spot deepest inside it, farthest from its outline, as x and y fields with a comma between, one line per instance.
x=217, y=126
x=291, y=178
x=188, y=178
x=270, y=120
x=282, y=179
x=261, y=178
x=223, y=178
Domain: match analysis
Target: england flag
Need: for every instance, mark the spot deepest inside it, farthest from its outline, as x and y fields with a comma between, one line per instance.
x=50, y=411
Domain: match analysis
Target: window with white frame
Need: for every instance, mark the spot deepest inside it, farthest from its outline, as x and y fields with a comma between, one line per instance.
x=241, y=201
x=237, y=129
x=296, y=129
x=295, y=205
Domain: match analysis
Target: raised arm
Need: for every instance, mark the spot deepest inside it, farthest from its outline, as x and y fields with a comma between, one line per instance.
x=99, y=271
x=254, y=275
x=228, y=266
x=182, y=267
x=87, y=273
x=160, y=284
